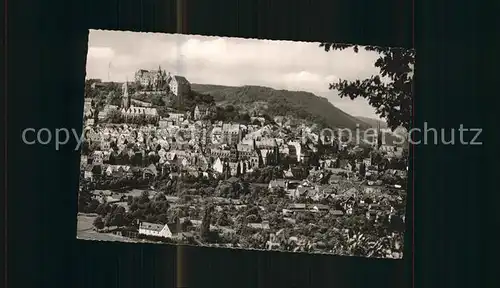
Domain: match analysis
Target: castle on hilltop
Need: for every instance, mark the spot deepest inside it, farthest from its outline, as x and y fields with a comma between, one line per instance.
x=159, y=80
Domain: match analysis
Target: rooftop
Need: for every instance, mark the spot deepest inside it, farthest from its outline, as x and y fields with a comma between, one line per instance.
x=151, y=226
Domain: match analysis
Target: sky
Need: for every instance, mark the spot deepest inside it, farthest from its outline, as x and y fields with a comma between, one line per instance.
x=290, y=65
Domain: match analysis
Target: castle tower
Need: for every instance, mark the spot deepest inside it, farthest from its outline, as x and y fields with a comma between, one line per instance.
x=159, y=78
x=125, y=96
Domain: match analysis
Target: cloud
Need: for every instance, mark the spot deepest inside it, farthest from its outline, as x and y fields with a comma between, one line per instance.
x=230, y=61
x=101, y=52
x=308, y=81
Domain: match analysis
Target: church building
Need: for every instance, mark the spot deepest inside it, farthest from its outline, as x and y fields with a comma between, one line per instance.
x=129, y=111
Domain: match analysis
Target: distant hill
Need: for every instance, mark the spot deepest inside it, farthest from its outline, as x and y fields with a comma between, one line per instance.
x=373, y=122
x=390, y=137
x=299, y=104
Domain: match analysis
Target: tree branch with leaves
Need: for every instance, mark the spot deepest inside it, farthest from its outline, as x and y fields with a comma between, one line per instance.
x=391, y=92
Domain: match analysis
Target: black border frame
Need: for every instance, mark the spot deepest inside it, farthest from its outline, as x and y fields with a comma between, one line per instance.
x=45, y=47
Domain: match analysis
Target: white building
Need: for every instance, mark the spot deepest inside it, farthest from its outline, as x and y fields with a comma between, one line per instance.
x=218, y=166
x=179, y=85
x=98, y=158
x=157, y=230
x=133, y=111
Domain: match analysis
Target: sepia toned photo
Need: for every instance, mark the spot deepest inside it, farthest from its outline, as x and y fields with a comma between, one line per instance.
x=245, y=144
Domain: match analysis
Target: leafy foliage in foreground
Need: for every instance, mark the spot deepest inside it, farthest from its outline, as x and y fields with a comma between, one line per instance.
x=392, y=99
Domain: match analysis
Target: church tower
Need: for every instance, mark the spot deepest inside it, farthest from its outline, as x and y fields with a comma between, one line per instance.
x=125, y=96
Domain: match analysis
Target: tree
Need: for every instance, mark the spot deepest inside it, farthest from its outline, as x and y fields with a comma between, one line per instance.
x=102, y=209
x=205, y=224
x=227, y=170
x=269, y=158
x=280, y=192
x=376, y=158
x=160, y=197
x=118, y=219
x=157, y=100
x=92, y=206
x=84, y=199
x=96, y=116
x=392, y=99
x=224, y=219
x=276, y=155
x=337, y=162
x=98, y=223
x=238, y=170
x=114, y=98
x=114, y=116
x=362, y=169
x=261, y=161
x=244, y=168
x=108, y=221
x=144, y=198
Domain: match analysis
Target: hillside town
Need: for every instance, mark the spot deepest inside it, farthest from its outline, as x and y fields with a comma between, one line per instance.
x=164, y=163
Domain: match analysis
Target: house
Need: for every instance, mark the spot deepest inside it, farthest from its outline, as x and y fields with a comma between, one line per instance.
x=105, y=145
x=134, y=112
x=175, y=118
x=156, y=230
x=288, y=173
x=337, y=213
x=201, y=111
x=387, y=148
x=102, y=115
x=264, y=225
x=297, y=207
x=302, y=207
x=98, y=158
x=218, y=166
x=88, y=111
x=179, y=86
x=244, y=150
x=89, y=122
x=372, y=189
x=98, y=84
x=231, y=133
x=140, y=103
x=292, y=187
x=308, y=192
x=327, y=190
x=164, y=123
x=267, y=143
x=275, y=185
x=273, y=242
x=318, y=208
x=372, y=215
x=254, y=159
x=233, y=168
x=92, y=135
x=313, y=194
x=84, y=160
x=150, y=171
x=88, y=175
x=174, y=175
x=351, y=192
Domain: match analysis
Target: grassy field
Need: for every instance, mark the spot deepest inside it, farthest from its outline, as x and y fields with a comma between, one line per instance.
x=85, y=230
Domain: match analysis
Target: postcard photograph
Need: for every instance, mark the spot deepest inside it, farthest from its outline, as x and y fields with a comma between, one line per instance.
x=245, y=143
